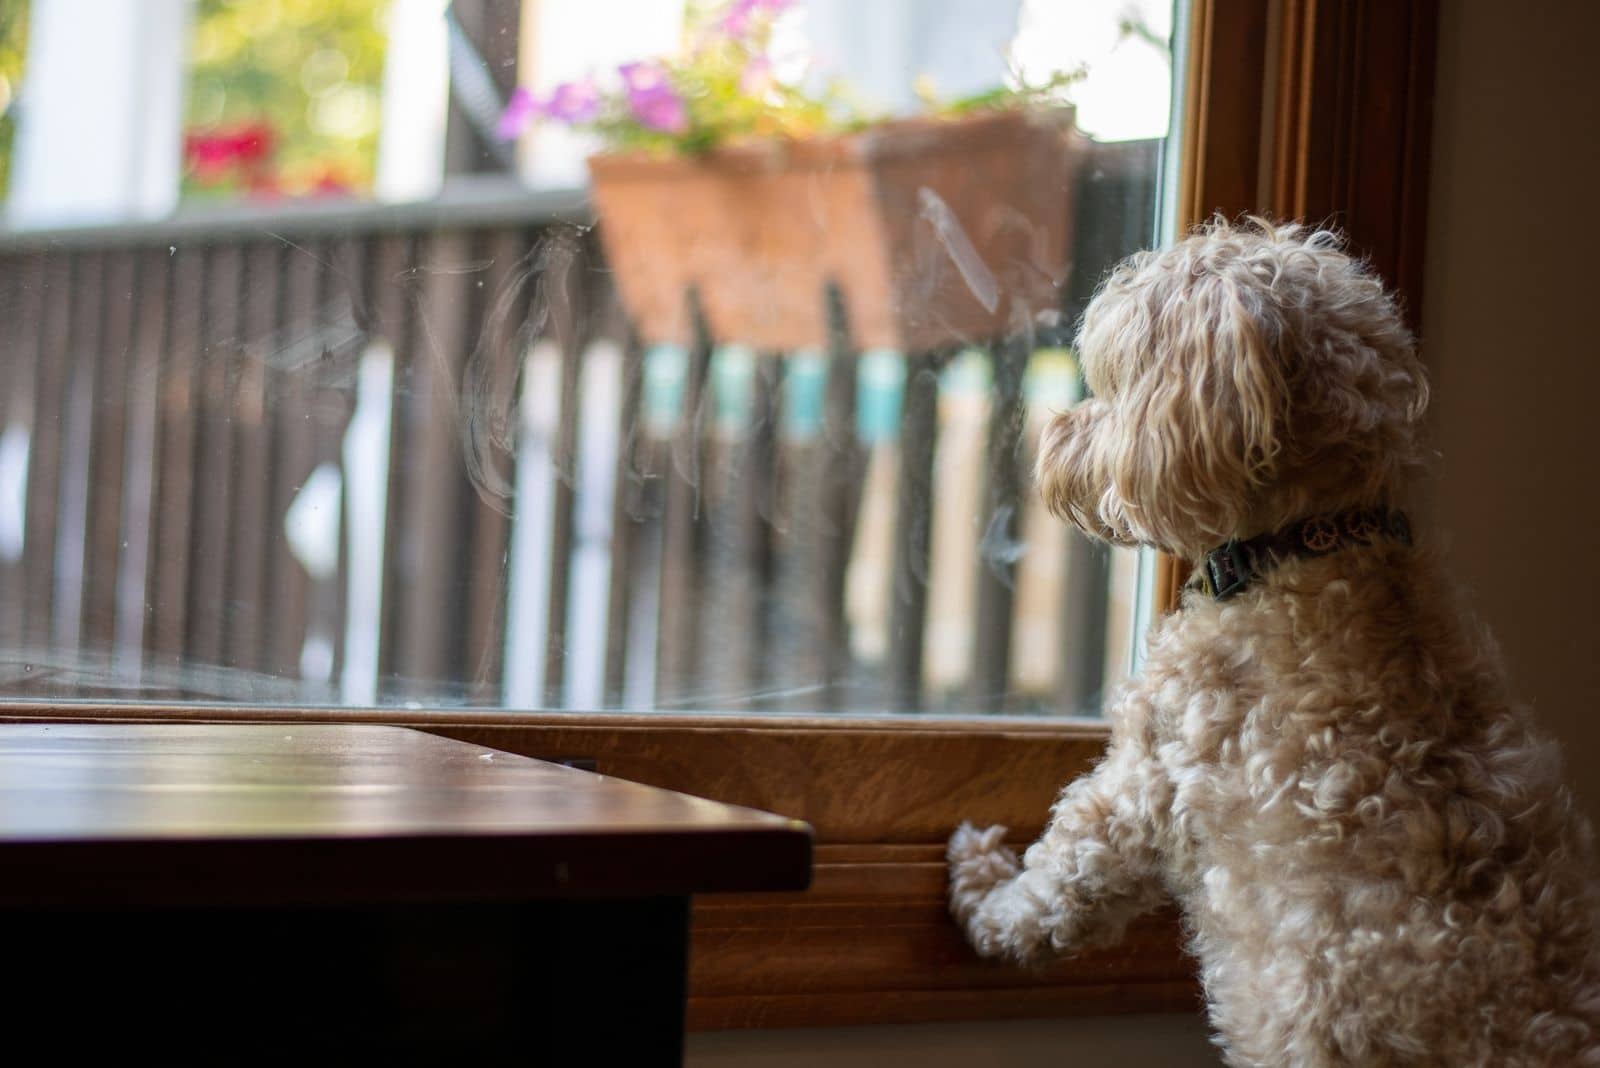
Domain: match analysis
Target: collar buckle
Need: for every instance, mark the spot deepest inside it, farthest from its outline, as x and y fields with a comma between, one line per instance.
x=1228, y=569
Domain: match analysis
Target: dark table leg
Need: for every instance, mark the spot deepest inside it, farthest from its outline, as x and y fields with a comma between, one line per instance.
x=543, y=982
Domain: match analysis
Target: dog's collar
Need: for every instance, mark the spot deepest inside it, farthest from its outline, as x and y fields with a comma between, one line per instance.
x=1234, y=565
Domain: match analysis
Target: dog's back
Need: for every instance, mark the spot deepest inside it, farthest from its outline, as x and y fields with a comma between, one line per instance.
x=1373, y=847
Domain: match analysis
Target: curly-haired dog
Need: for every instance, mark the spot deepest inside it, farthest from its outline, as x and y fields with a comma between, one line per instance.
x=1370, y=843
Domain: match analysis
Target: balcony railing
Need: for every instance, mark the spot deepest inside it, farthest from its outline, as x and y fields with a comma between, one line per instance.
x=390, y=454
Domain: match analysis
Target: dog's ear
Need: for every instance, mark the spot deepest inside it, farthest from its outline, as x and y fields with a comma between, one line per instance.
x=1228, y=350
x=1195, y=379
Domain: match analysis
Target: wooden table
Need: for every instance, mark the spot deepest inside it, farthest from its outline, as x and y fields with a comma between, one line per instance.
x=252, y=892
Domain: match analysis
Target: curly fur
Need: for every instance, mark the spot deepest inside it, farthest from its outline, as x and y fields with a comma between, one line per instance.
x=1371, y=844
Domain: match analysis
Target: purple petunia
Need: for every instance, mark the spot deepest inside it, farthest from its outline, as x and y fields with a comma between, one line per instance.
x=652, y=99
x=520, y=111
x=573, y=102
x=570, y=102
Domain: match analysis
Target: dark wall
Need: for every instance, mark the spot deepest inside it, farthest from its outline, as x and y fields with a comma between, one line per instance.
x=1511, y=330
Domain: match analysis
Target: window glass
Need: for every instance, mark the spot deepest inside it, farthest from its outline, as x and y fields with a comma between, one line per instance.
x=581, y=354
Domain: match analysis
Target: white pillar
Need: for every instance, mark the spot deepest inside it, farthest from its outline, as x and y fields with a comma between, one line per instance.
x=416, y=102
x=100, y=112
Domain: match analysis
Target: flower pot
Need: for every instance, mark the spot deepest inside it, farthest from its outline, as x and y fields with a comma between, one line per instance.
x=935, y=231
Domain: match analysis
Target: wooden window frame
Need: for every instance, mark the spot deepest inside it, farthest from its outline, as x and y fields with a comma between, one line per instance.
x=1316, y=109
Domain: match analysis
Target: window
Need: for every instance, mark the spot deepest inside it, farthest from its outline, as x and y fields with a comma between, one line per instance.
x=406, y=456
x=391, y=451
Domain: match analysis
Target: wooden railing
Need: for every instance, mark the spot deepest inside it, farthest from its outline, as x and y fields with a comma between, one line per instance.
x=349, y=454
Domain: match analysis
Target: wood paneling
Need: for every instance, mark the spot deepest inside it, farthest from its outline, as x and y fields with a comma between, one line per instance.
x=1225, y=102
x=873, y=933
x=1318, y=110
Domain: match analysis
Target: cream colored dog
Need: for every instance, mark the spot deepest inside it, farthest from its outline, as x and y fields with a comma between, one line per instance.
x=1370, y=843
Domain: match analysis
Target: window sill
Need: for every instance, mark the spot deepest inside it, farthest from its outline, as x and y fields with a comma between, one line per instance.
x=871, y=941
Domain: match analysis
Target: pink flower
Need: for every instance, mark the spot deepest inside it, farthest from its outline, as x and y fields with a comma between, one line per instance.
x=652, y=98
x=735, y=21
x=519, y=114
x=573, y=102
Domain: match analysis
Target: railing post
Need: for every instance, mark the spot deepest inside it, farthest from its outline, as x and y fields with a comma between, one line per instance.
x=908, y=608
x=488, y=418
x=563, y=292
x=45, y=450
x=1112, y=190
x=841, y=468
x=627, y=495
x=683, y=532
x=1000, y=520
x=210, y=550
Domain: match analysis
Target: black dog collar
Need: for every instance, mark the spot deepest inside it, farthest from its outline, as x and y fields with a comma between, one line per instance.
x=1234, y=565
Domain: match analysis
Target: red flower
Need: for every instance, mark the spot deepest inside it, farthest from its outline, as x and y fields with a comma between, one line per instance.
x=214, y=155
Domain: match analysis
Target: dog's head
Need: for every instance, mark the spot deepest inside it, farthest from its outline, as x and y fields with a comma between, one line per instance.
x=1244, y=377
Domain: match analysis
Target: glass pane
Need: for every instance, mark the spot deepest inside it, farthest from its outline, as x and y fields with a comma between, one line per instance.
x=333, y=378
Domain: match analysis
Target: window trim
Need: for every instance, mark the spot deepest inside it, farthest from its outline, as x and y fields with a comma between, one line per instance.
x=1280, y=116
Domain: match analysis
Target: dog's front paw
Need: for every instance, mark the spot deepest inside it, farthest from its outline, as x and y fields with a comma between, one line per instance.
x=969, y=843
x=979, y=861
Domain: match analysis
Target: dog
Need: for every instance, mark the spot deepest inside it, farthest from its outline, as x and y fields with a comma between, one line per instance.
x=1370, y=842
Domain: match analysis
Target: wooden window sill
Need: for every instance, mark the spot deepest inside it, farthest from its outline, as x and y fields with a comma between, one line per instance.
x=870, y=941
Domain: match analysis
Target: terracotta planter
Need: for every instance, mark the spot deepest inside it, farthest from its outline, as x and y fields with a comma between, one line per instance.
x=935, y=231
